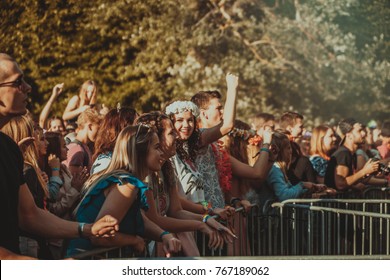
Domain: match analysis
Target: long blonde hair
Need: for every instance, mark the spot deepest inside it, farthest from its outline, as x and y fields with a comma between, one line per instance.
x=317, y=141
x=129, y=154
x=83, y=93
x=19, y=128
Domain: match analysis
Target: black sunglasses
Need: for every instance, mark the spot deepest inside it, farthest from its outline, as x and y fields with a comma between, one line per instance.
x=17, y=83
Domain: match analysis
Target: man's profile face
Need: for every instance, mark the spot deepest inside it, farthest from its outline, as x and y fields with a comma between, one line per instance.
x=214, y=112
x=297, y=129
x=13, y=99
x=357, y=133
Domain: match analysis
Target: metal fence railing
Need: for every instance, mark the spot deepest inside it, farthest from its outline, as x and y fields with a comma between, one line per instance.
x=299, y=227
x=315, y=230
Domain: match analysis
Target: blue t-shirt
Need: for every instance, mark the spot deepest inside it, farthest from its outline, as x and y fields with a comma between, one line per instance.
x=89, y=208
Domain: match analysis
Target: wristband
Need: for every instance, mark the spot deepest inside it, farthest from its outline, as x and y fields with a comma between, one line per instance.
x=164, y=233
x=264, y=150
x=205, y=218
x=55, y=169
x=80, y=229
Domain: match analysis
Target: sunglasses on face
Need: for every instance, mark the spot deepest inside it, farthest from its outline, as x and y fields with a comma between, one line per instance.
x=17, y=83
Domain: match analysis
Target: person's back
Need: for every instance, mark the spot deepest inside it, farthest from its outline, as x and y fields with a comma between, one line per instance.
x=78, y=155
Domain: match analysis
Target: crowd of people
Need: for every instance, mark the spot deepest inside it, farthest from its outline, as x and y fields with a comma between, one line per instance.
x=101, y=177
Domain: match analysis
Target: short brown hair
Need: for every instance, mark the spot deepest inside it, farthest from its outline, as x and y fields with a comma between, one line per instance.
x=202, y=98
x=288, y=118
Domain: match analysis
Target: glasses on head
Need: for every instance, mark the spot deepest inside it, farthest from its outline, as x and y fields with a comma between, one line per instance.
x=18, y=83
x=142, y=125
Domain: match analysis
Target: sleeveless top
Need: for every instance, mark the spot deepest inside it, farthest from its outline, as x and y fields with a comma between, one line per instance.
x=89, y=208
x=158, y=186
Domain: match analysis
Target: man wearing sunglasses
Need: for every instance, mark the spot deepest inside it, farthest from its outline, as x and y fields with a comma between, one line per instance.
x=17, y=207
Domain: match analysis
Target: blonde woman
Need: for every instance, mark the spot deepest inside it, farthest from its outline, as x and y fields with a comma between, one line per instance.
x=322, y=143
x=119, y=190
x=19, y=129
x=79, y=103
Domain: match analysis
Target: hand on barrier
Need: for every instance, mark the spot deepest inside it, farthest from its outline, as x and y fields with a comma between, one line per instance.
x=224, y=213
x=139, y=245
x=170, y=244
x=226, y=233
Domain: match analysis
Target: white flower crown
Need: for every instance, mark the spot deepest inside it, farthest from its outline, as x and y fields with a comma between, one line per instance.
x=178, y=107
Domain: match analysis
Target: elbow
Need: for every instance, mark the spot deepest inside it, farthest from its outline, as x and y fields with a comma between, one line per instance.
x=226, y=128
x=65, y=116
x=260, y=177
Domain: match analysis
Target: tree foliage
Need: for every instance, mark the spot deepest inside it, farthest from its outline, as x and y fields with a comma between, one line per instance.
x=322, y=58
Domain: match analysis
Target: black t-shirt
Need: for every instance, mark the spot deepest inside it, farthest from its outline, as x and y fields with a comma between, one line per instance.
x=11, y=177
x=343, y=157
x=301, y=170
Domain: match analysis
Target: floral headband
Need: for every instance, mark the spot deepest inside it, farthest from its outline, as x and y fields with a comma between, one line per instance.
x=247, y=135
x=178, y=107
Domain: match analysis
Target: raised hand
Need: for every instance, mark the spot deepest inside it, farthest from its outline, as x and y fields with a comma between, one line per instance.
x=57, y=89
x=53, y=161
x=79, y=178
x=231, y=81
x=267, y=136
x=25, y=142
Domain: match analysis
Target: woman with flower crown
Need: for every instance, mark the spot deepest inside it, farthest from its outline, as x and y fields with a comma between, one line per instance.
x=164, y=200
x=193, y=144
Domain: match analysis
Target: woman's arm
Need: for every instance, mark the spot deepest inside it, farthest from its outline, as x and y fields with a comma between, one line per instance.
x=46, y=110
x=154, y=232
x=262, y=165
x=71, y=110
x=169, y=223
x=43, y=223
x=212, y=134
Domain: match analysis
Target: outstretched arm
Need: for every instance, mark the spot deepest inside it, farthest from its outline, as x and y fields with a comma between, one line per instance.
x=212, y=134
x=43, y=223
x=57, y=89
x=262, y=165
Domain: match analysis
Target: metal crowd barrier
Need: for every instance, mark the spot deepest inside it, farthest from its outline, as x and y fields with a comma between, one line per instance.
x=366, y=205
x=315, y=230
x=299, y=227
x=377, y=193
x=105, y=253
